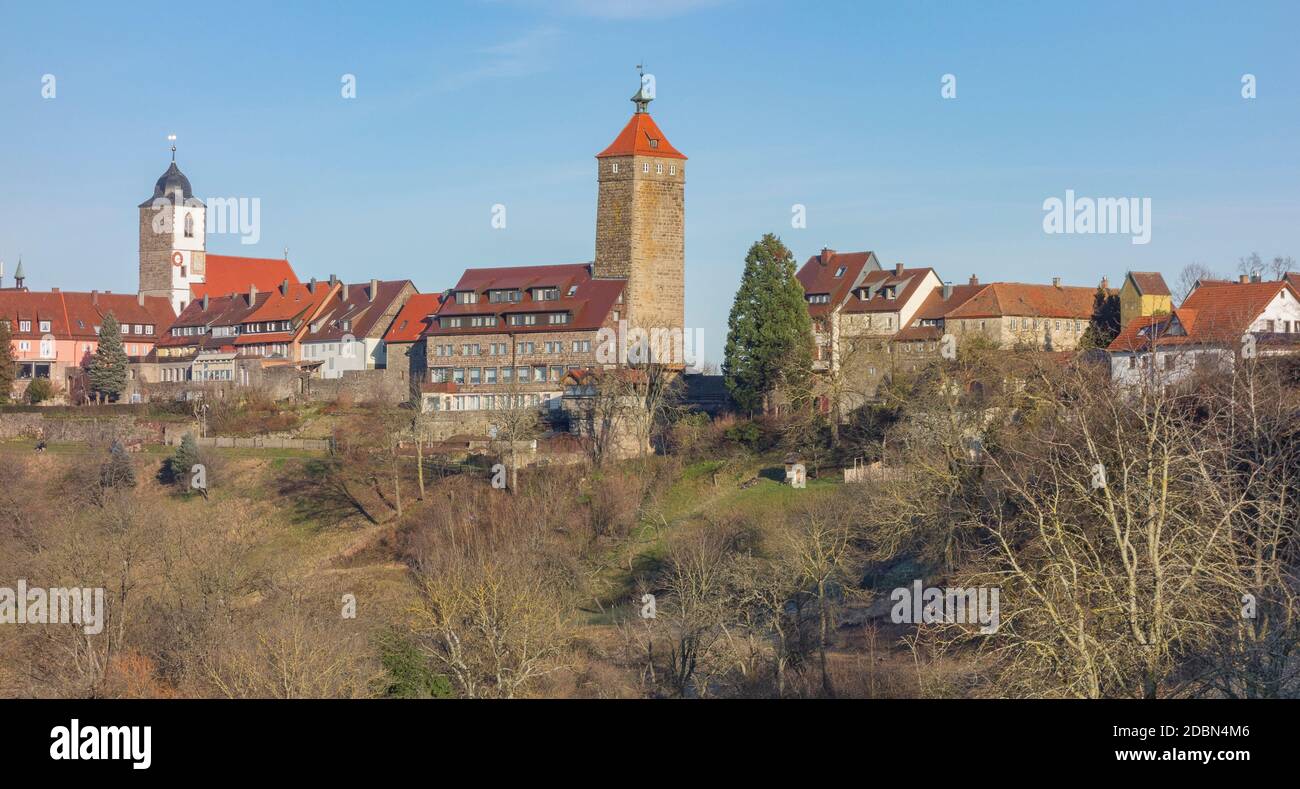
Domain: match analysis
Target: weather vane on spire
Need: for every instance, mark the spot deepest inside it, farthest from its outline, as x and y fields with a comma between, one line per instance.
x=646, y=93
x=172, y=138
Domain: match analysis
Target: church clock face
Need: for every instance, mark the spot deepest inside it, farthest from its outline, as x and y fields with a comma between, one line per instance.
x=178, y=259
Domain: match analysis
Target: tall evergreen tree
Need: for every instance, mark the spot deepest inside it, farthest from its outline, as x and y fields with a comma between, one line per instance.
x=6, y=361
x=769, y=332
x=109, y=367
x=1104, y=326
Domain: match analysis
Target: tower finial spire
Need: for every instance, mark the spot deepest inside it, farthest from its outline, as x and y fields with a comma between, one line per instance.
x=172, y=139
x=646, y=93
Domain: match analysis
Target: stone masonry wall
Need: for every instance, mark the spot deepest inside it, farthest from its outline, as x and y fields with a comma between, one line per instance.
x=640, y=235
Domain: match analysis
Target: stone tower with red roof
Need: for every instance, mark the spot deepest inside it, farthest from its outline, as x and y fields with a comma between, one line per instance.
x=640, y=215
x=173, y=254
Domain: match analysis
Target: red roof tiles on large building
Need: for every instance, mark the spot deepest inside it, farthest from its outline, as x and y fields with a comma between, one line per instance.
x=415, y=317
x=833, y=274
x=1018, y=299
x=1216, y=313
x=587, y=300
x=225, y=274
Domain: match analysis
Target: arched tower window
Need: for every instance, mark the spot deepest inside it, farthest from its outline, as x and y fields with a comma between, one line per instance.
x=189, y=225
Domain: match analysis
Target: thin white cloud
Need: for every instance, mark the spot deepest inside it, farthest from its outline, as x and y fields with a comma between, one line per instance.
x=528, y=54
x=622, y=9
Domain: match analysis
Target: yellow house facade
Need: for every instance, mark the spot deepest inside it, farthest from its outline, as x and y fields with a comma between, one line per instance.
x=1144, y=294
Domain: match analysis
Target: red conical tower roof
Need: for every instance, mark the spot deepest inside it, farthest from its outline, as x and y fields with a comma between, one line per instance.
x=641, y=137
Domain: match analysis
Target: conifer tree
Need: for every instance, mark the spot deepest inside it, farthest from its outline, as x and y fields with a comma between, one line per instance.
x=109, y=367
x=769, y=332
x=177, y=468
x=1104, y=326
x=6, y=362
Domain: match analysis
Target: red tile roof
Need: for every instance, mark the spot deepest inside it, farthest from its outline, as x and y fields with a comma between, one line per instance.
x=414, y=318
x=226, y=274
x=74, y=315
x=361, y=313
x=1149, y=283
x=905, y=284
x=297, y=302
x=589, y=307
x=817, y=275
x=1018, y=299
x=1216, y=313
x=641, y=137
x=936, y=307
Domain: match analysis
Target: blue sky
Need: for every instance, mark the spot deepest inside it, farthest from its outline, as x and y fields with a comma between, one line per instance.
x=836, y=106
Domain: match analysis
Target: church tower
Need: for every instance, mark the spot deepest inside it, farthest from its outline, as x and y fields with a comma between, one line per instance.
x=172, y=243
x=640, y=215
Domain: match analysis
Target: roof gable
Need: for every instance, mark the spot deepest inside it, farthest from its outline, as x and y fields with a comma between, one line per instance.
x=414, y=318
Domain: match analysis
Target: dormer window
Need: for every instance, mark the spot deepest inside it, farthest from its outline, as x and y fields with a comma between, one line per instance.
x=654, y=143
x=466, y=297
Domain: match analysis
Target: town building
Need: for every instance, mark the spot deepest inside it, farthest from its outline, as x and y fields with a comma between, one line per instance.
x=349, y=333
x=56, y=333
x=174, y=262
x=917, y=343
x=506, y=337
x=404, y=340
x=1015, y=315
x=828, y=279
x=1216, y=326
x=232, y=339
x=1143, y=294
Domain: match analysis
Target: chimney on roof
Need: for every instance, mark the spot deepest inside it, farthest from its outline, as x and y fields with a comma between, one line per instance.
x=94, y=297
x=947, y=291
x=139, y=299
x=345, y=291
x=1243, y=279
x=311, y=286
x=333, y=279
x=54, y=290
x=974, y=280
x=205, y=302
x=1056, y=282
x=284, y=287
x=252, y=295
x=1105, y=284
x=827, y=254
x=898, y=269
x=374, y=289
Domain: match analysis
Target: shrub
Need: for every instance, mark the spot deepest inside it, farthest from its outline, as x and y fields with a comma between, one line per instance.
x=117, y=472
x=39, y=390
x=407, y=671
